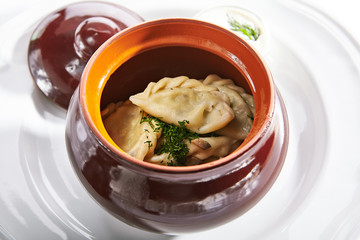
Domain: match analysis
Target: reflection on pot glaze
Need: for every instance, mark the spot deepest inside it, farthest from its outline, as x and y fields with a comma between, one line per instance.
x=92, y=32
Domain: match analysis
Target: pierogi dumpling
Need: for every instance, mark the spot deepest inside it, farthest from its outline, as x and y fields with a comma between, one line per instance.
x=123, y=126
x=174, y=99
x=241, y=103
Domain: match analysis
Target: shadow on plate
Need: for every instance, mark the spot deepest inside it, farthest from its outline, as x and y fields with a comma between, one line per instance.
x=14, y=72
x=46, y=107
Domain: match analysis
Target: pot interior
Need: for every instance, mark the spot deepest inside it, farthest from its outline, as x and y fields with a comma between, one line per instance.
x=125, y=64
x=171, y=61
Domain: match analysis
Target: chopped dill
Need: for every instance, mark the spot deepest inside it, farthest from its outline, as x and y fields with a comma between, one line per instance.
x=174, y=138
x=149, y=143
x=246, y=29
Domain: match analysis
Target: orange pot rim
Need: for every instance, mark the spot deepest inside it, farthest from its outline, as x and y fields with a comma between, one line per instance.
x=249, y=142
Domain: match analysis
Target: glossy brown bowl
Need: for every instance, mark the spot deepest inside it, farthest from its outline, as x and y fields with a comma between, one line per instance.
x=170, y=199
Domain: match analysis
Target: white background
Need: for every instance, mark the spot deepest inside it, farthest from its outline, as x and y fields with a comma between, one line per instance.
x=345, y=12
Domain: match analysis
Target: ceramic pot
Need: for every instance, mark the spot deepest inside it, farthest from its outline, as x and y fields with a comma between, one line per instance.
x=170, y=199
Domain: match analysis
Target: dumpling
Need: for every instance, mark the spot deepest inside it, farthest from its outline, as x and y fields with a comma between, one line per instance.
x=214, y=116
x=176, y=99
x=240, y=126
x=201, y=150
x=110, y=108
x=162, y=159
x=206, y=147
x=123, y=126
x=249, y=99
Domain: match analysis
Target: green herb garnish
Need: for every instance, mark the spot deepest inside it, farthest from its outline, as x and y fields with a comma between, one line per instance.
x=151, y=120
x=247, y=30
x=149, y=143
x=174, y=138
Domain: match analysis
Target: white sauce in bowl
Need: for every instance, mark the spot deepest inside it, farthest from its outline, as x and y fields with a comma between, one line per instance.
x=224, y=15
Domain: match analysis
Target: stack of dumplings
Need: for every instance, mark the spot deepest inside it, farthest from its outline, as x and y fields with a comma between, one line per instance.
x=215, y=109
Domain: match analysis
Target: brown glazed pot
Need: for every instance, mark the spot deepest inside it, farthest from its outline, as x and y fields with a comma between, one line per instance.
x=169, y=199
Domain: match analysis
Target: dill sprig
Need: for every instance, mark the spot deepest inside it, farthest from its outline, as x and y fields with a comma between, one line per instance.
x=246, y=29
x=174, y=138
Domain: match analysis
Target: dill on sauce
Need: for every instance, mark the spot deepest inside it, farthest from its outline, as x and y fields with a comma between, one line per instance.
x=247, y=30
x=174, y=138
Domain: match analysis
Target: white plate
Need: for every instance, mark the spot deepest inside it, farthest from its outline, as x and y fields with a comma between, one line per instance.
x=316, y=66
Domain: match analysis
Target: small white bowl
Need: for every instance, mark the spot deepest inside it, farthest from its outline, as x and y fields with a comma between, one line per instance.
x=221, y=16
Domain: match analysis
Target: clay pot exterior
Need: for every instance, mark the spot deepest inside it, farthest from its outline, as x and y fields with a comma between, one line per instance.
x=169, y=199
